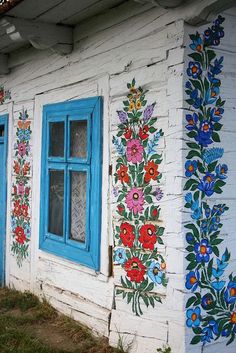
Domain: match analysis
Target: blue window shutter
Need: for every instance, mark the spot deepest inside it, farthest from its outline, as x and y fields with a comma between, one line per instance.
x=89, y=109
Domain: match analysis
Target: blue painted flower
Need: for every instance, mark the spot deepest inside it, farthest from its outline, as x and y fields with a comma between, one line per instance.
x=196, y=45
x=208, y=33
x=120, y=256
x=217, y=272
x=218, y=285
x=221, y=171
x=211, y=95
x=190, y=238
x=194, y=69
x=204, y=134
x=204, y=225
x=193, y=317
x=192, y=280
x=212, y=154
x=27, y=230
x=24, y=134
x=13, y=223
x=197, y=101
x=203, y=251
x=154, y=272
x=207, y=301
x=221, y=209
x=216, y=114
x=216, y=68
x=209, y=331
x=230, y=293
x=207, y=212
x=188, y=197
x=192, y=121
x=191, y=167
x=197, y=211
x=207, y=184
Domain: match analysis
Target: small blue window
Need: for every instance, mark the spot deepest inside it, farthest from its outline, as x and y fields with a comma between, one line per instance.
x=70, y=223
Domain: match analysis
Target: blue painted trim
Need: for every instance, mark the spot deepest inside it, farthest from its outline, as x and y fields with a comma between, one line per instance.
x=89, y=109
x=3, y=140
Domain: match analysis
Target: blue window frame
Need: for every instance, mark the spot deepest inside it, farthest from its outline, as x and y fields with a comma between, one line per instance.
x=70, y=207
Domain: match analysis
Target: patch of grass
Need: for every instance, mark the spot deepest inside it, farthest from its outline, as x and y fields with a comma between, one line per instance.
x=30, y=326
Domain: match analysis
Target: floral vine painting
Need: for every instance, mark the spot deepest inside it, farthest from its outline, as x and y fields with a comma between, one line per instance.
x=211, y=311
x=21, y=188
x=137, y=175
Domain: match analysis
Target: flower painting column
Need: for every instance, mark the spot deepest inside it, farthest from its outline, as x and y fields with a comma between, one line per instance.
x=21, y=189
x=136, y=179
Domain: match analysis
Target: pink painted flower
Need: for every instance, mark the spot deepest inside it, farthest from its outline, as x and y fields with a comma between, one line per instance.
x=22, y=149
x=135, y=200
x=21, y=188
x=134, y=151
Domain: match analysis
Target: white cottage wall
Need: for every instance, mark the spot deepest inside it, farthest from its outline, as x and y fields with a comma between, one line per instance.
x=129, y=41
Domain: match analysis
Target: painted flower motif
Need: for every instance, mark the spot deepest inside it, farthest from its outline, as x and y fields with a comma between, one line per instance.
x=17, y=208
x=190, y=168
x=24, y=134
x=155, y=272
x=233, y=319
x=27, y=191
x=22, y=149
x=207, y=184
x=207, y=301
x=138, y=105
x=155, y=212
x=197, y=44
x=120, y=256
x=203, y=251
x=24, y=209
x=20, y=235
x=209, y=331
x=151, y=171
x=212, y=154
x=122, y=116
x=26, y=168
x=211, y=95
x=27, y=230
x=143, y=132
x=16, y=167
x=148, y=111
x=192, y=280
x=230, y=293
x=204, y=134
x=123, y=175
x=128, y=133
x=131, y=106
x=21, y=188
x=148, y=236
x=221, y=171
x=197, y=101
x=134, y=151
x=135, y=200
x=194, y=69
x=191, y=121
x=120, y=209
x=216, y=114
x=135, y=269
x=127, y=234
x=197, y=211
x=193, y=317
x=158, y=194
x=13, y=223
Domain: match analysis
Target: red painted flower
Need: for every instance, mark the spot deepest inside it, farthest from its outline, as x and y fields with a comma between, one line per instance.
x=123, y=175
x=27, y=190
x=26, y=168
x=127, y=234
x=120, y=209
x=128, y=133
x=17, y=208
x=24, y=209
x=155, y=212
x=20, y=235
x=16, y=167
x=151, y=171
x=143, y=132
x=14, y=189
x=135, y=270
x=148, y=236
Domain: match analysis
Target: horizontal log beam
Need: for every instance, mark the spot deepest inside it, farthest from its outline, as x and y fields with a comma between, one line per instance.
x=3, y=64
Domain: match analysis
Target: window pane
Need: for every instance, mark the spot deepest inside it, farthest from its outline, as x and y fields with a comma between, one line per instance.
x=78, y=206
x=56, y=148
x=78, y=139
x=56, y=202
x=1, y=130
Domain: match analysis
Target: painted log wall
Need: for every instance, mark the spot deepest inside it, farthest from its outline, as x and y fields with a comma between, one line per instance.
x=129, y=41
x=227, y=49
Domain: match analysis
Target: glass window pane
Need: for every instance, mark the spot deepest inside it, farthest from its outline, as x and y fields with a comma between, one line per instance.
x=56, y=145
x=78, y=206
x=78, y=139
x=56, y=202
x=1, y=130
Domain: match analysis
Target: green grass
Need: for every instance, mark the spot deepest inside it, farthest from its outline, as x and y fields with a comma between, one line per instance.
x=30, y=326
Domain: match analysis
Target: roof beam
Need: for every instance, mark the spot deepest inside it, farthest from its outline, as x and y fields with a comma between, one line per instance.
x=39, y=34
x=163, y=3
